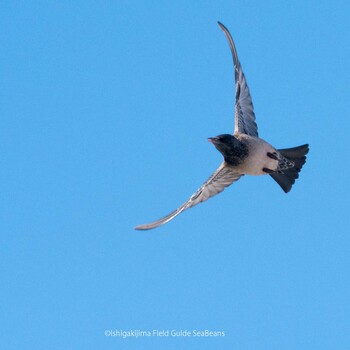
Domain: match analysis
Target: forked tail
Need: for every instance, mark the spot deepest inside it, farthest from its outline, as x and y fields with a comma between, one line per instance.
x=286, y=177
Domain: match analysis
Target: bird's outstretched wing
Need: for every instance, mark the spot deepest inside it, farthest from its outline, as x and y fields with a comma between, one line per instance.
x=244, y=110
x=224, y=176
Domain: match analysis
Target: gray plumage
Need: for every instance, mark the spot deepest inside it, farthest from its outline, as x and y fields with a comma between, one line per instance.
x=243, y=152
x=244, y=110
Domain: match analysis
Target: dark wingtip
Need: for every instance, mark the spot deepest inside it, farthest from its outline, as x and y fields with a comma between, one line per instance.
x=221, y=25
x=141, y=228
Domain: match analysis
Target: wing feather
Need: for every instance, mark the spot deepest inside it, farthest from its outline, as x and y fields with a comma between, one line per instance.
x=223, y=177
x=244, y=110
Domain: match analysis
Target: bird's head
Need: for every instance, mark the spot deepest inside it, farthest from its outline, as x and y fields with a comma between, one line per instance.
x=224, y=143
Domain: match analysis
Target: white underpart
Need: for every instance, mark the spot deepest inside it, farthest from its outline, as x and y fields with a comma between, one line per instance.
x=257, y=158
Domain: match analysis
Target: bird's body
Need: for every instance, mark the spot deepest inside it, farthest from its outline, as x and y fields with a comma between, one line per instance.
x=258, y=159
x=255, y=157
x=244, y=152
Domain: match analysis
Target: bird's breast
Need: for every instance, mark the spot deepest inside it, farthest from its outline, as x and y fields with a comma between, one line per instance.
x=257, y=158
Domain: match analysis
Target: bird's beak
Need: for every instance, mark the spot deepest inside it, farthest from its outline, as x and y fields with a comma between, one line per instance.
x=212, y=139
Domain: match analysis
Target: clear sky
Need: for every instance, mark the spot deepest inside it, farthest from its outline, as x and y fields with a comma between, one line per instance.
x=105, y=109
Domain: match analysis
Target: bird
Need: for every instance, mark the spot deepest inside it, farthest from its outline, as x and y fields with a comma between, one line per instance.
x=243, y=151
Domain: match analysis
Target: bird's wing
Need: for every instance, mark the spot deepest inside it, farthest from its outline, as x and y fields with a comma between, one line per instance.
x=244, y=110
x=223, y=177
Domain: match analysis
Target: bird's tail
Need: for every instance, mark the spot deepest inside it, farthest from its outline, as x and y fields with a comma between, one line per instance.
x=286, y=177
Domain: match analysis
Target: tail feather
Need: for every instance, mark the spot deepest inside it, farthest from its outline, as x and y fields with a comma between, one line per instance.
x=287, y=177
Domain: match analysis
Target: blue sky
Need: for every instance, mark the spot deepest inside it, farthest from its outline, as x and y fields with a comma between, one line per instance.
x=105, y=112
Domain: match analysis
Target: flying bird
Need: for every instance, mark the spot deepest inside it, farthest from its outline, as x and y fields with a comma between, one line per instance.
x=244, y=152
